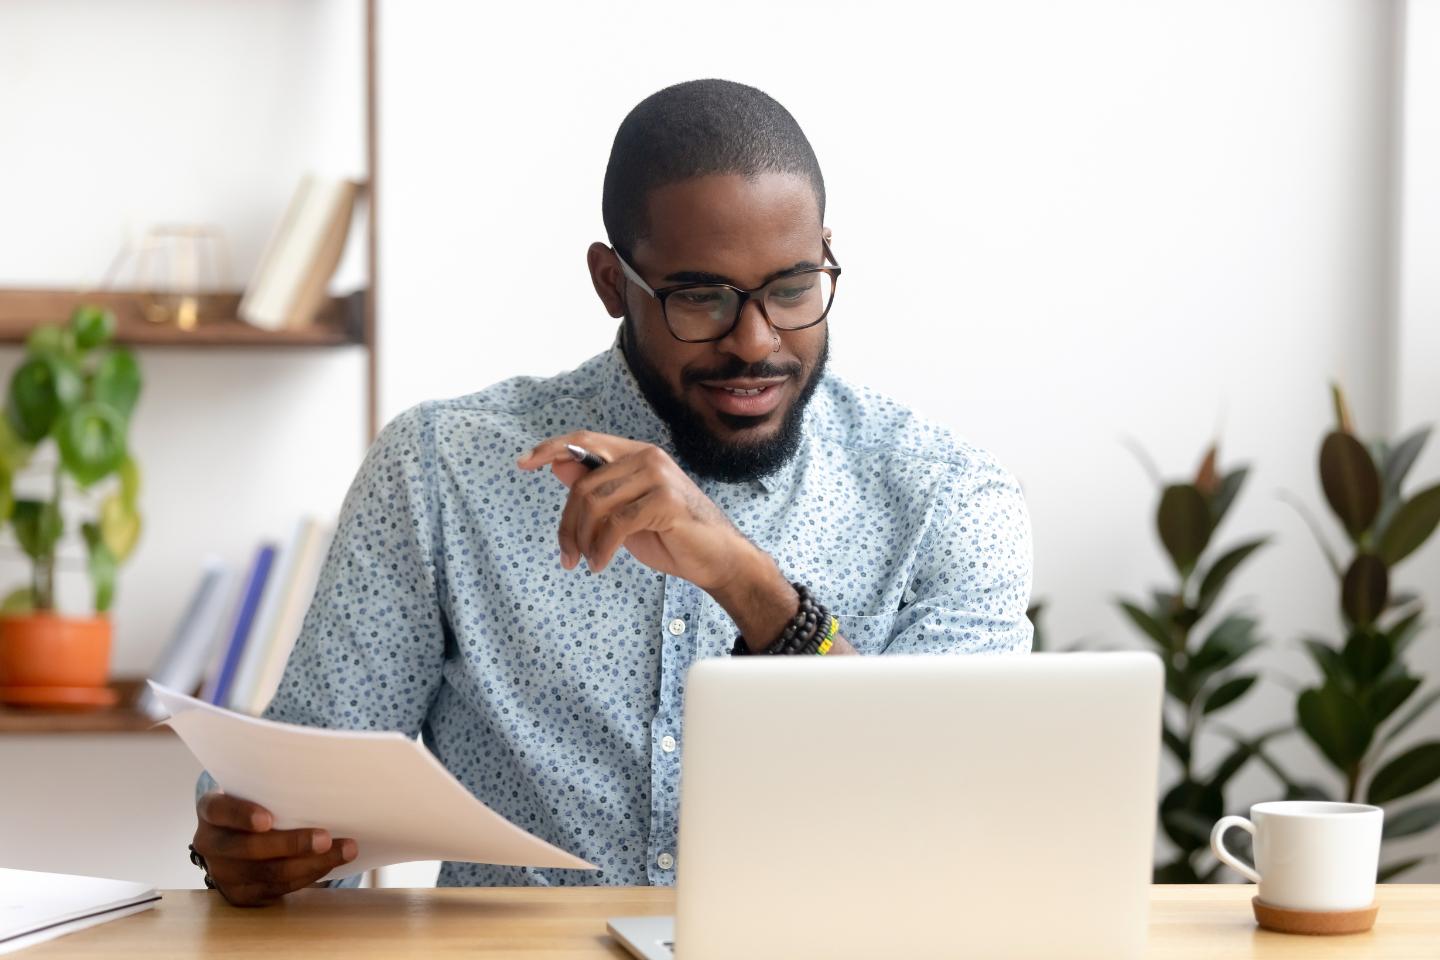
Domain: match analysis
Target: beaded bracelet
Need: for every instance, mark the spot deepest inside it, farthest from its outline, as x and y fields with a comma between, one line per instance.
x=811, y=631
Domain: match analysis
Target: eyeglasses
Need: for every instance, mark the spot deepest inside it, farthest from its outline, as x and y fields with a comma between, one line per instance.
x=702, y=312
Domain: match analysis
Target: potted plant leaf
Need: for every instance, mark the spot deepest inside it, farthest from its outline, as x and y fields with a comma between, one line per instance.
x=1201, y=678
x=72, y=394
x=1354, y=717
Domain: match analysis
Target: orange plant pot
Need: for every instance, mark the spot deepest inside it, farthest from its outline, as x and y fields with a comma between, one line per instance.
x=47, y=650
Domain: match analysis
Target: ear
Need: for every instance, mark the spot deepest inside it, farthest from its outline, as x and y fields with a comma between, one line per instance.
x=607, y=277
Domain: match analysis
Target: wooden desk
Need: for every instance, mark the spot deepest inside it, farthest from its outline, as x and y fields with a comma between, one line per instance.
x=1199, y=922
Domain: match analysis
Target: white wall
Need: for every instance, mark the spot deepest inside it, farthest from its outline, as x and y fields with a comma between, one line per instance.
x=1060, y=222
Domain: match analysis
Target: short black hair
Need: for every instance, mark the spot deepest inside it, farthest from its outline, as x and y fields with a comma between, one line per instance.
x=692, y=129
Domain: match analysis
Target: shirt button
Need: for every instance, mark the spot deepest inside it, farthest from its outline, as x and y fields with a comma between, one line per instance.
x=665, y=861
x=677, y=626
x=667, y=743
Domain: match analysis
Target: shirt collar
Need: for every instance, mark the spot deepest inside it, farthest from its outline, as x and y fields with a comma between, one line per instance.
x=629, y=414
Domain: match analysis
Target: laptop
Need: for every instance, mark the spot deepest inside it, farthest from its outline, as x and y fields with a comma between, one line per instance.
x=993, y=807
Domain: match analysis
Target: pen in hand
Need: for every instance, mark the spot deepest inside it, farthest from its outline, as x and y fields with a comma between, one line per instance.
x=584, y=457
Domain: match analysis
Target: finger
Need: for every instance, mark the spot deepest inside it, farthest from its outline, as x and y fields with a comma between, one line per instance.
x=214, y=841
x=603, y=492
x=253, y=882
x=223, y=810
x=552, y=450
x=626, y=520
x=577, y=506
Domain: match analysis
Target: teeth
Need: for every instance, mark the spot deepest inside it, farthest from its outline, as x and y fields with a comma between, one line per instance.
x=744, y=393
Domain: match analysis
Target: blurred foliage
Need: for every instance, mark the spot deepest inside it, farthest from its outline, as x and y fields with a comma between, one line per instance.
x=1353, y=717
x=75, y=389
x=1202, y=665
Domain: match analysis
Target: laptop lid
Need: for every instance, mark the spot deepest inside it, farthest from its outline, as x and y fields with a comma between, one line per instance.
x=985, y=806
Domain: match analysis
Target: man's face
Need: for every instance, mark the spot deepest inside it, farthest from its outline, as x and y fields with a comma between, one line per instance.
x=725, y=229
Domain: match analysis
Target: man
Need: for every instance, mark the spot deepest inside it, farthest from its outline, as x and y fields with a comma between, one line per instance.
x=738, y=486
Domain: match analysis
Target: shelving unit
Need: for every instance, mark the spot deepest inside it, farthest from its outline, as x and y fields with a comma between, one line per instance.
x=344, y=323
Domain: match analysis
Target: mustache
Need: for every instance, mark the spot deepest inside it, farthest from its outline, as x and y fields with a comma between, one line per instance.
x=737, y=369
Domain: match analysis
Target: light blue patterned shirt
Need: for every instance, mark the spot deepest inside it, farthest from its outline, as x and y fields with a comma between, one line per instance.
x=555, y=695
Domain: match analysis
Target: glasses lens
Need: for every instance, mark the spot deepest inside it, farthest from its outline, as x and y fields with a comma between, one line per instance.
x=798, y=300
x=701, y=313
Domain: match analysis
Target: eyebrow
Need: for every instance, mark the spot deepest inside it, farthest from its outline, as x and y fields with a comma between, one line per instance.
x=701, y=276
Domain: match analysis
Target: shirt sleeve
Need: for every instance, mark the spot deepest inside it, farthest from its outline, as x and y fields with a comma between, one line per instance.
x=974, y=569
x=370, y=652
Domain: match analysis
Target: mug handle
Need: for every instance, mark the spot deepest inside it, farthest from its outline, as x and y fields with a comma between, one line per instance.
x=1217, y=846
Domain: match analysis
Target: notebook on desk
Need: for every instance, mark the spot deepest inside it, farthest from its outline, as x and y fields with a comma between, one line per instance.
x=35, y=907
x=990, y=806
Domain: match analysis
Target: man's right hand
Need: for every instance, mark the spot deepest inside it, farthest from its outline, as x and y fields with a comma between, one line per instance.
x=253, y=864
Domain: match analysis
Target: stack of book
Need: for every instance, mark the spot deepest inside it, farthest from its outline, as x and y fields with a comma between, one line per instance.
x=292, y=279
x=236, y=633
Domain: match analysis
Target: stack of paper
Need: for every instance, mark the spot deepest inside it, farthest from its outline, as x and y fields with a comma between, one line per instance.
x=384, y=790
x=35, y=907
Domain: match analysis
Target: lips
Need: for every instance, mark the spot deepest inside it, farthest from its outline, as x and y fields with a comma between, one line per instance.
x=744, y=398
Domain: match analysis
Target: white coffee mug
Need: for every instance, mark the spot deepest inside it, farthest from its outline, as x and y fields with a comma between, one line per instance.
x=1309, y=855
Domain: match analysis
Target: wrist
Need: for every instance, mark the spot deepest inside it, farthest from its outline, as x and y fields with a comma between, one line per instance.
x=758, y=598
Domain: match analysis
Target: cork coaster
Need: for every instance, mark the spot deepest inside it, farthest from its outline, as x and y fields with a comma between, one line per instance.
x=1314, y=922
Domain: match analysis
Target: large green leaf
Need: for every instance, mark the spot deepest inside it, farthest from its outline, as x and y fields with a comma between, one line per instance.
x=1188, y=811
x=1336, y=723
x=1366, y=655
x=102, y=565
x=1390, y=695
x=1413, y=770
x=1220, y=571
x=119, y=526
x=1185, y=524
x=41, y=389
x=92, y=326
x=1412, y=525
x=1401, y=458
x=1328, y=659
x=1225, y=496
x=1231, y=640
x=1177, y=746
x=1417, y=819
x=38, y=525
x=1365, y=589
x=130, y=489
x=92, y=441
x=1351, y=482
x=1411, y=715
x=1228, y=692
x=117, y=381
x=1151, y=627
x=1403, y=631
x=1231, y=765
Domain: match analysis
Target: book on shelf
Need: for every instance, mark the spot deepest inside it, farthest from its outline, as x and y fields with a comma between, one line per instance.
x=183, y=663
x=222, y=674
x=291, y=280
x=236, y=633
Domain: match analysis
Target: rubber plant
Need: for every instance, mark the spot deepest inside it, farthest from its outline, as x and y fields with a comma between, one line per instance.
x=1353, y=716
x=74, y=391
x=1201, y=675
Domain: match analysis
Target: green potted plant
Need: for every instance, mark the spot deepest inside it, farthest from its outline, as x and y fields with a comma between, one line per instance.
x=74, y=393
x=1201, y=678
x=1354, y=716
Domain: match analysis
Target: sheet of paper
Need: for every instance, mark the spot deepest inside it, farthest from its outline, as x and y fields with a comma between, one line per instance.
x=383, y=789
x=35, y=907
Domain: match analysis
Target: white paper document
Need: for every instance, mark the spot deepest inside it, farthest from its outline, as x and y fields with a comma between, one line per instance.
x=35, y=907
x=381, y=788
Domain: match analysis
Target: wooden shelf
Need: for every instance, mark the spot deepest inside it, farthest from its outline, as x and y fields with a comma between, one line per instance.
x=341, y=323
x=121, y=718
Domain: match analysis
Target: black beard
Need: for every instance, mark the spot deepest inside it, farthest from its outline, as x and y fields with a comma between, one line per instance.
x=699, y=450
